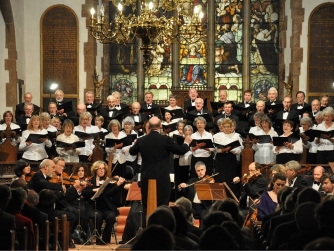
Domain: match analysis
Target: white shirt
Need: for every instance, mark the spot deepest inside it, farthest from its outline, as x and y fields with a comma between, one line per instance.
x=264, y=152
x=34, y=151
x=225, y=139
x=202, y=152
x=70, y=155
x=118, y=154
x=13, y=126
x=297, y=148
x=128, y=156
x=311, y=146
x=88, y=149
x=325, y=144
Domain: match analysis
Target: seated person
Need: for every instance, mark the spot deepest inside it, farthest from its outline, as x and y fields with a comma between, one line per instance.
x=201, y=208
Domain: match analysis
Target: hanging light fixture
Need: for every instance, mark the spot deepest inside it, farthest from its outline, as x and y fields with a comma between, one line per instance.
x=172, y=23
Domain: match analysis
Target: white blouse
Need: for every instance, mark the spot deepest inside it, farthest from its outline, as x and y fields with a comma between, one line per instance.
x=225, y=139
x=88, y=149
x=118, y=154
x=70, y=155
x=264, y=151
x=325, y=144
x=297, y=148
x=34, y=151
x=202, y=152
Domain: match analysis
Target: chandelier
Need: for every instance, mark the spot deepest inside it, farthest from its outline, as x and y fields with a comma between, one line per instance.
x=160, y=21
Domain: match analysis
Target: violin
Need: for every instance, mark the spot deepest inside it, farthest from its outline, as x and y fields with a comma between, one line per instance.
x=204, y=179
x=301, y=171
x=29, y=175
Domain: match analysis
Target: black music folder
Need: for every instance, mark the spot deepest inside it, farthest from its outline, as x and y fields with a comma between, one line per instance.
x=93, y=109
x=251, y=107
x=88, y=135
x=293, y=138
x=52, y=135
x=153, y=111
x=35, y=138
x=107, y=119
x=192, y=117
x=275, y=108
x=178, y=139
x=134, y=137
x=208, y=143
x=170, y=127
x=311, y=134
x=77, y=144
x=307, y=109
x=127, y=141
x=233, y=145
x=67, y=106
x=177, y=113
x=262, y=138
x=216, y=105
x=318, y=133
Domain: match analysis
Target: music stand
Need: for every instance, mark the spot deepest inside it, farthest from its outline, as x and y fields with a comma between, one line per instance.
x=134, y=194
x=95, y=233
x=210, y=191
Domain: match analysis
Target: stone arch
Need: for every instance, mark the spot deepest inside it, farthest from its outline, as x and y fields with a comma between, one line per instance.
x=10, y=62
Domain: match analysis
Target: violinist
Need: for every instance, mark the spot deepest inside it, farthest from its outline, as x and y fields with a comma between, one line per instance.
x=39, y=181
x=22, y=170
x=105, y=205
x=295, y=179
x=253, y=185
x=201, y=208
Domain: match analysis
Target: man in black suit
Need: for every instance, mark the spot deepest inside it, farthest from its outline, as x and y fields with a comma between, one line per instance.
x=200, y=110
x=315, y=109
x=76, y=117
x=89, y=102
x=252, y=187
x=314, y=180
x=292, y=168
x=228, y=109
x=201, y=208
x=138, y=117
x=7, y=220
x=244, y=116
x=39, y=181
x=155, y=150
x=19, y=112
x=28, y=112
x=118, y=104
x=272, y=96
x=222, y=100
x=59, y=95
x=149, y=104
x=287, y=113
x=110, y=112
x=193, y=94
x=300, y=95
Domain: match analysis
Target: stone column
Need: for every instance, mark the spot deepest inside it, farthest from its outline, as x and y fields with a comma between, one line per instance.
x=211, y=44
x=297, y=18
x=283, y=20
x=246, y=45
x=140, y=66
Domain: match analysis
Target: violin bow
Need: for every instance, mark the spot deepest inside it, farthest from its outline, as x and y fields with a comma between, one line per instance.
x=202, y=179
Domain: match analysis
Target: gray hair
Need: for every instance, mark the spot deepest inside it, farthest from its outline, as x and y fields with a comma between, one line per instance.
x=199, y=119
x=319, y=114
x=45, y=162
x=85, y=114
x=307, y=121
x=114, y=122
x=44, y=116
x=265, y=118
x=328, y=111
x=200, y=163
x=129, y=120
x=110, y=97
x=258, y=115
x=293, y=165
x=26, y=104
x=273, y=89
x=188, y=127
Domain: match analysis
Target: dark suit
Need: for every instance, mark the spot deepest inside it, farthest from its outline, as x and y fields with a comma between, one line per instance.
x=35, y=215
x=293, y=115
x=144, y=107
x=155, y=150
x=300, y=182
x=243, y=118
x=38, y=182
x=209, y=123
x=105, y=205
x=68, y=113
x=105, y=113
x=268, y=103
x=187, y=104
x=201, y=209
x=142, y=118
x=222, y=116
x=22, y=120
x=295, y=106
x=19, y=111
x=253, y=190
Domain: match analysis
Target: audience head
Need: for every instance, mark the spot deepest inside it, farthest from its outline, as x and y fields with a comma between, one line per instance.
x=162, y=216
x=180, y=220
x=5, y=195
x=215, y=218
x=47, y=199
x=324, y=213
x=16, y=203
x=217, y=238
x=230, y=206
x=33, y=198
x=308, y=195
x=305, y=217
x=187, y=207
x=233, y=229
x=323, y=243
x=154, y=237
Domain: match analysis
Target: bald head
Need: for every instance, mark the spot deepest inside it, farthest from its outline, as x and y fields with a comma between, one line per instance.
x=81, y=108
x=260, y=105
x=154, y=123
x=318, y=171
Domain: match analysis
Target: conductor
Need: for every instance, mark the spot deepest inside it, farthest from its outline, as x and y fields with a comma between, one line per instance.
x=155, y=150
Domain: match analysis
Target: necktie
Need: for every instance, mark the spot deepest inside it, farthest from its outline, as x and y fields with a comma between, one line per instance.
x=117, y=105
x=149, y=106
x=136, y=115
x=111, y=110
x=316, y=183
x=285, y=111
x=273, y=103
x=28, y=117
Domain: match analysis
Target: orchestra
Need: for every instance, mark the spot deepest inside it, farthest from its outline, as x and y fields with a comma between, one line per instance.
x=277, y=131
